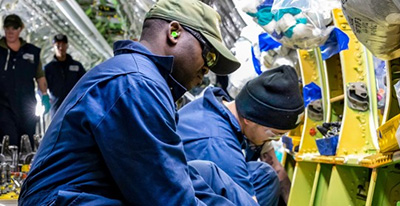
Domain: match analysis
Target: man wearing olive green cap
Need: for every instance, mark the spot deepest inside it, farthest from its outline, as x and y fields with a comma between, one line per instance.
x=113, y=140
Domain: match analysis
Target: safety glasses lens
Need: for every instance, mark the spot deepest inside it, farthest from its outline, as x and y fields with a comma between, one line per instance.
x=211, y=59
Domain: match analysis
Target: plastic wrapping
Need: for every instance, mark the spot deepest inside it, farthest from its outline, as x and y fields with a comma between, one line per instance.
x=279, y=56
x=397, y=89
x=278, y=148
x=376, y=24
x=266, y=43
x=271, y=54
x=294, y=23
x=258, y=53
x=380, y=76
x=246, y=70
x=256, y=58
x=311, y=92
x=336, y=42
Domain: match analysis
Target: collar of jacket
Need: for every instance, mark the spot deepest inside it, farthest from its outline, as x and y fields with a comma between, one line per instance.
x=164, y=63
x=68, y=59
x=211, y=96
x=3, y=43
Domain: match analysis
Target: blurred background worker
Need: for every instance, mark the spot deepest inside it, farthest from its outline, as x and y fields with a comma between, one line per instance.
x=62, y=73
x=19, y=65
x=214, y=129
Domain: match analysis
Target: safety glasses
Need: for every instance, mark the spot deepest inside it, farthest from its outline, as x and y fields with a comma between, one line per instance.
x=209, y=54
x=274, y=135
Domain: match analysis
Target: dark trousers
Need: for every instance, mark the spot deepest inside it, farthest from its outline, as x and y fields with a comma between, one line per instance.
x=16, y=125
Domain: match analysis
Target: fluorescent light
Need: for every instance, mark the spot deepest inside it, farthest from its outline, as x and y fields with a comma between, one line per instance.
x=81, y=21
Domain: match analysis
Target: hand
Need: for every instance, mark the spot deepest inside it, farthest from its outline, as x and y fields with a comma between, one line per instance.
x=46, y=103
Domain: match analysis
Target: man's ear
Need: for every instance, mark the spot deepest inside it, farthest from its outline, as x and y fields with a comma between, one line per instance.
x=174, y=31
x=246, y=121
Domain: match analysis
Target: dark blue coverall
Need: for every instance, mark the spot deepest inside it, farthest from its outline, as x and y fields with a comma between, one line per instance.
x=17, y=90
x=113, y=141
x=61, y=77
x=209, y=131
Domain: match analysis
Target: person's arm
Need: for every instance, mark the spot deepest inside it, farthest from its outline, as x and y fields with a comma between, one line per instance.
x=222, y=149
x=229, y=157
x=139, y=145
x=42, y=84
x=41, y=79
x=270, y=158
x=82, y=70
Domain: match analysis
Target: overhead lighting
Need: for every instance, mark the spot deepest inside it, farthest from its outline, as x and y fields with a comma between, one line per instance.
x=78, y=18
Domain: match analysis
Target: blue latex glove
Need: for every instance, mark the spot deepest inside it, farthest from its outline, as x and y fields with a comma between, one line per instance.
x=46, y=103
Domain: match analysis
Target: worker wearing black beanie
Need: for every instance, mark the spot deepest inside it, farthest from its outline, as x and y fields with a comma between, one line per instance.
x=215, y=129
x=272, y=99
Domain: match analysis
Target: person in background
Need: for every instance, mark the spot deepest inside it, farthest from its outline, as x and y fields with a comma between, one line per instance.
x=62, y=73
x=19, y=65
x=214, y=128
x=113, y=140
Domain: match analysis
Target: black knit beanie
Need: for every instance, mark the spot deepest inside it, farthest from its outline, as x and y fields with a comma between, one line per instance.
x=272, y=99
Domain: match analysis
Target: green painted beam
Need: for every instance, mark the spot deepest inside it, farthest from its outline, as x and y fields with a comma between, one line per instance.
x=321, y=191
x=302, y=185
x=387, y=189
x=348, y=186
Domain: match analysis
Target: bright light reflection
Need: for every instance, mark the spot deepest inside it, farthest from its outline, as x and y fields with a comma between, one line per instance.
x=39, y=107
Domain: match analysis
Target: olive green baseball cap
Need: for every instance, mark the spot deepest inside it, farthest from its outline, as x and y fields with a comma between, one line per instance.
x=202, y=18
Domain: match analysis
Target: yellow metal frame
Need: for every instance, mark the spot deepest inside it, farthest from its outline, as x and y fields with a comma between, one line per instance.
x=311, y=64
x=9, y=196
x=358, y=175
x=387, y=135
x=334, y=80
x=355, y=138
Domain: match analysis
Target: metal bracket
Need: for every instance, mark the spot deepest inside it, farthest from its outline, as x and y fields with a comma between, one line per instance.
x=357, y=96
x=26, y=154
x=315, y=110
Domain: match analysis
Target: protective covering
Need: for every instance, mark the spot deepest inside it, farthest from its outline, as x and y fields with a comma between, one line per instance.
x=257, y=53
x=376, y=24
x=294, y=23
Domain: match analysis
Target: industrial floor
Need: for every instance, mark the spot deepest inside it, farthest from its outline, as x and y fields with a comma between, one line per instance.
x=8, y=202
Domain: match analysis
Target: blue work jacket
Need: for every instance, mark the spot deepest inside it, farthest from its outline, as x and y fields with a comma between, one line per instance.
x=61, y=77
x=209, y=131
x=113, y=140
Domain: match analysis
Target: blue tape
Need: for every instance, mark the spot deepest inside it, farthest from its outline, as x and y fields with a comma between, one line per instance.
x=266, y=42
x=311, y=92
x=337, y=41
x=256, y=62
x=266, y=3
